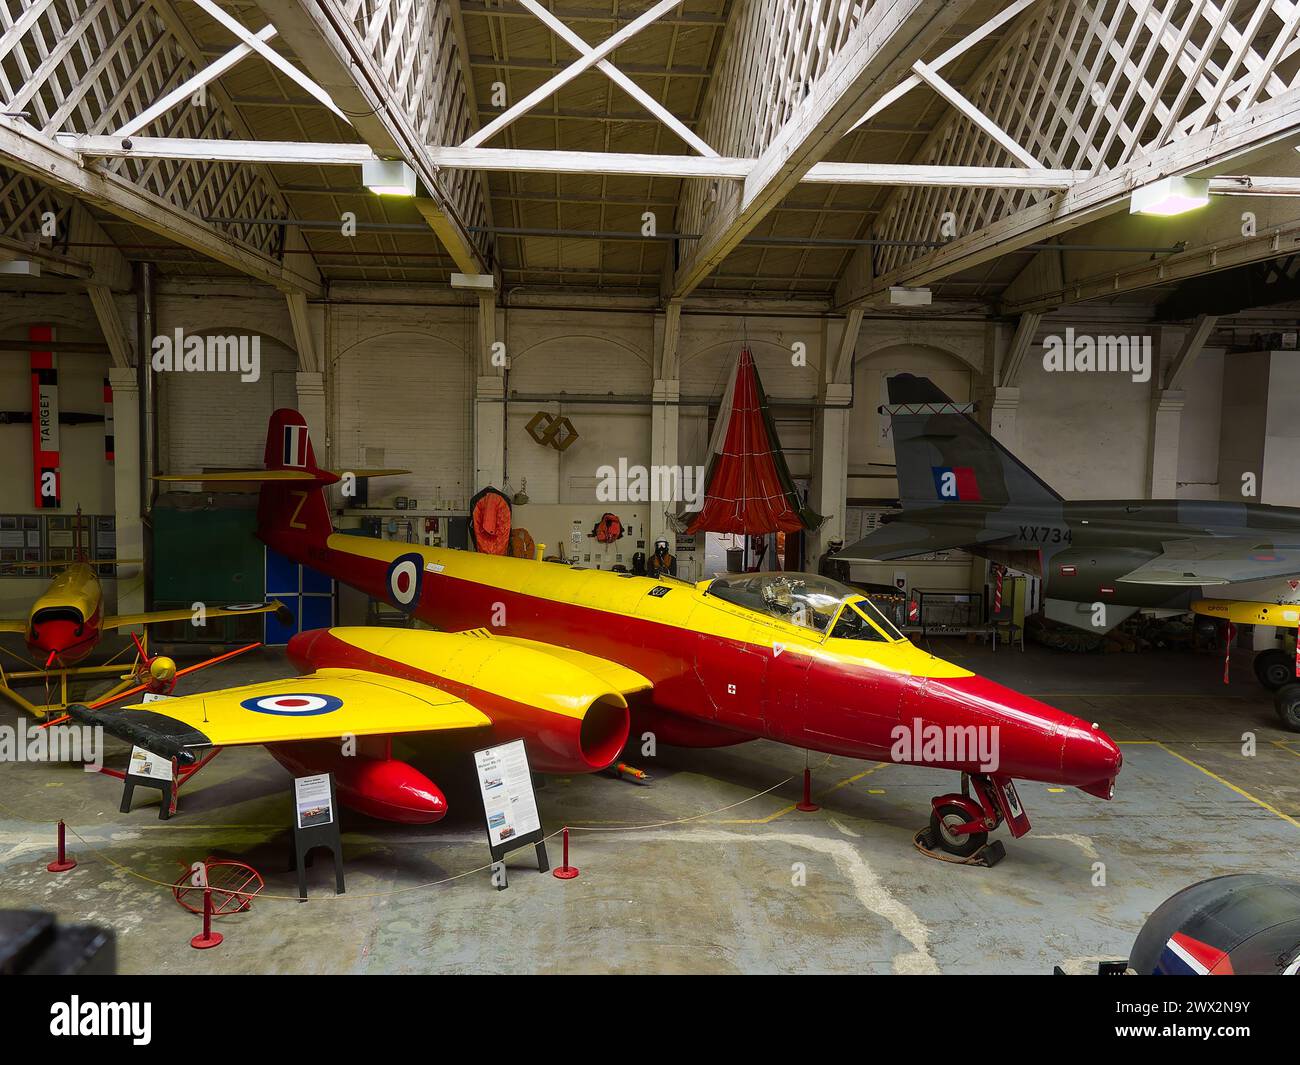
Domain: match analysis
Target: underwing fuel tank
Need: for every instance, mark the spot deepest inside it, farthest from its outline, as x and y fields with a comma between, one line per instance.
x=386, y=788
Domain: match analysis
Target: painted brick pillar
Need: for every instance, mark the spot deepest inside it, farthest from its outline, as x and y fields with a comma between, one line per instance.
x=126, y=487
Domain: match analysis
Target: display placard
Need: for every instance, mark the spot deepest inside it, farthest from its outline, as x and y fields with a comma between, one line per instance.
x=509, y=803
x=313, y=801
x=149, y=765
x=148, y=770
x=507, y=787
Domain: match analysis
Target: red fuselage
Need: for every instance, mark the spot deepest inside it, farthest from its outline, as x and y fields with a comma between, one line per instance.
x=713, y=691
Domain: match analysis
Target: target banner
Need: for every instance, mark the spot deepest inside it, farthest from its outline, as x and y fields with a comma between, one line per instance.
x=45, y=421
x=293, y=704
x=405, y=577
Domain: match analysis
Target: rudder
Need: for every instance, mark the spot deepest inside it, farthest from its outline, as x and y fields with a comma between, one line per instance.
x=292, y=512
x=943, y=456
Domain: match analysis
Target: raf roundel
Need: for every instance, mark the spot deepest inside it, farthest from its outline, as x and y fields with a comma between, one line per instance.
x=293, y=704
x=404, y=578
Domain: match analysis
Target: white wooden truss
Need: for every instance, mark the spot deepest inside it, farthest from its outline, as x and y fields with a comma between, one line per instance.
x=1100, y=86
x=88, y=67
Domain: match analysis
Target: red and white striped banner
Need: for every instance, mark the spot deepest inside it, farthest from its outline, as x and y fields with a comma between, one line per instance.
x=45, y=421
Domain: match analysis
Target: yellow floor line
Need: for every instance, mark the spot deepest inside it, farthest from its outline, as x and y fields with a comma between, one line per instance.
x=1229, y=784
x=1284, y=745
x=791, y=808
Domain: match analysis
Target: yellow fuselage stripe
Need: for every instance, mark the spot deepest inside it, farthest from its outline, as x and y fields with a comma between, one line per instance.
x=685, y=607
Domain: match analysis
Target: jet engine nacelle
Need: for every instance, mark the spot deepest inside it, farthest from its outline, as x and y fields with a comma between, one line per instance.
x=571, y=720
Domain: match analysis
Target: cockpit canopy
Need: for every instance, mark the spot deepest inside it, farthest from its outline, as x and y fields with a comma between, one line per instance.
x=806, y=599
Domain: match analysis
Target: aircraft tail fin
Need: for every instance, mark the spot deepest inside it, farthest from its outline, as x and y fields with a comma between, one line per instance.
x=292, y=513
x=291, y=510
x=943, y=456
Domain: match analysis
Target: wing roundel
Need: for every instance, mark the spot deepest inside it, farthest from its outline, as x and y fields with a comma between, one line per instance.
x=327, y=704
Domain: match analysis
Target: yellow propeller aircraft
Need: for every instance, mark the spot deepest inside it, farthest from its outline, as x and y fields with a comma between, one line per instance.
x=66, y=623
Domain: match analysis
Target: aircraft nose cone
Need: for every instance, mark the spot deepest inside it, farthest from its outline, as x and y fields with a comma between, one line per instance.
x=1091, y=760
x=1034, y=740
x=54, y=636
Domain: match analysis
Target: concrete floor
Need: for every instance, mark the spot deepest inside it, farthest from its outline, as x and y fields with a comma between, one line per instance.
x=716, y=893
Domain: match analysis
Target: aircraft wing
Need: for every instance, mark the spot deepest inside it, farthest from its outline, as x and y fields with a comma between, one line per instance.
x=623, y=680
x=901, y=539
x=327, y=704
x=1217, y=560
x=13, y=625
x=153, y=617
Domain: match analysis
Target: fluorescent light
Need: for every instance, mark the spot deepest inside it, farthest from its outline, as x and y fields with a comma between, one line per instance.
x=388, y=177
x=909, y=297
x=21, y=267
x=474, y=282
x=1170, y=196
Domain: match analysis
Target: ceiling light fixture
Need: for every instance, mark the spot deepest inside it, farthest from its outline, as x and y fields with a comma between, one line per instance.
x=1170, y=196
x=388, y=177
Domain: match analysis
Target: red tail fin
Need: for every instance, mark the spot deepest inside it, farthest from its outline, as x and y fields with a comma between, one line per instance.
x=292, y=514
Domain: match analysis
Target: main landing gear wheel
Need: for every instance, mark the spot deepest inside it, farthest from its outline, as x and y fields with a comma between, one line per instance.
x=1286, y=701
x=947, y=817
x=1274, y=668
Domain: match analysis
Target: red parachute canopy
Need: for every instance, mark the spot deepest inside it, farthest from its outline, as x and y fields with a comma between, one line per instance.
x=748, y=488
x=489, y=522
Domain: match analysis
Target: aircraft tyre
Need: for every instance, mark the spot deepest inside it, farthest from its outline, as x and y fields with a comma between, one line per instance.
x=1274, y=668
x=944, y=818
x=1286, y=700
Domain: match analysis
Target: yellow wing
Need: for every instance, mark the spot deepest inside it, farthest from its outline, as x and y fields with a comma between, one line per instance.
x=153, y=617
x=13, y=625
x=623, y=680
x=327, y=704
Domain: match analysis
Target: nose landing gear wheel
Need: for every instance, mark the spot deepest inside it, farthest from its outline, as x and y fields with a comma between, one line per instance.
x=1274, y=668
x=947, y=817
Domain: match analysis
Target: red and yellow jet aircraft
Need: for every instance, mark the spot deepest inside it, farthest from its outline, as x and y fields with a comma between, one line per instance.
x=574, y=661
x=66, y=623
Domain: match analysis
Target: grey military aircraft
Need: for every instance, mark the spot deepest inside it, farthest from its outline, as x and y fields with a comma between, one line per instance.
x=1100, y=560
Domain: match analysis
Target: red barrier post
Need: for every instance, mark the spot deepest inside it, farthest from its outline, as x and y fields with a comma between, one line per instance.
x=206, y=938
x=566, y=871
x=62, y=863
x=807, y=805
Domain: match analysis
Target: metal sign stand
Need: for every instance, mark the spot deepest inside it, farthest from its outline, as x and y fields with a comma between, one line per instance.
x=307, y=837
